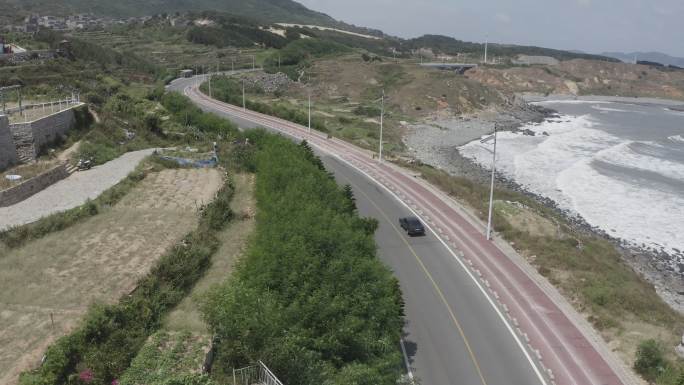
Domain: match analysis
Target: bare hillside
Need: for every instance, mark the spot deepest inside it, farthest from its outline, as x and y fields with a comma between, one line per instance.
x=586, y=77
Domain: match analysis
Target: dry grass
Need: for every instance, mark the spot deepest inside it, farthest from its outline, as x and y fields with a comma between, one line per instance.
x=98, y=260
x=186, y=317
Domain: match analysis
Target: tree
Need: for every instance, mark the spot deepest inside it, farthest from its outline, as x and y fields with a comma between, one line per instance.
x=310, y=156
x=351, y=201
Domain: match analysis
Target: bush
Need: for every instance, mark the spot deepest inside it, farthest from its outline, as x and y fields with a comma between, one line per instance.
x=649, y=360
x=183, y=110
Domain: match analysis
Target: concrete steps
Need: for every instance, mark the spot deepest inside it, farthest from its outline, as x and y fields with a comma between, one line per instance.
x=70, y=168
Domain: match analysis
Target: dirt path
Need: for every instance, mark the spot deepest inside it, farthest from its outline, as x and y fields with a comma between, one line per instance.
x=71, y=192
x=186, y=317
x=98, y=260
x=66, y=154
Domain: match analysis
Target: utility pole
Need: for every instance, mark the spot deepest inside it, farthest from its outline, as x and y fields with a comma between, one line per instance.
x=486, y=44
x=253, y=62
x=279, y=61
x=210, y=87
x=309, y=111
x=244, y=102
x=491, y=191
x=382, y=117
x=232, y=62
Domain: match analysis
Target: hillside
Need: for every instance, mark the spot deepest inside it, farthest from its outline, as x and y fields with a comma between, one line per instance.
x=451, y=46
x=585, y=77
x=657, y=57
x=262, y=10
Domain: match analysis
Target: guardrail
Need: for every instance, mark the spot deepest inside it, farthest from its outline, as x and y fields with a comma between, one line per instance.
x=255, y=374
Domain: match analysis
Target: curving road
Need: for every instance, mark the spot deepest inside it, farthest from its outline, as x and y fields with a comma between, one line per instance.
x=476, y=313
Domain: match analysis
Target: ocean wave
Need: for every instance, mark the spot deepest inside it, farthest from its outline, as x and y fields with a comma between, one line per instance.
x=611, y=109
x=642, y=156
x=598, y=198
x=559, y=166
x=570, y=101
x=676, y=138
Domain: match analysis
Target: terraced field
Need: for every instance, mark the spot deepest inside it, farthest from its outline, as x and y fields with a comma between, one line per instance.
x=47, y=285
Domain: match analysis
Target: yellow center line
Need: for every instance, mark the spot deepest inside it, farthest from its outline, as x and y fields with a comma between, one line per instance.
x=432, y=280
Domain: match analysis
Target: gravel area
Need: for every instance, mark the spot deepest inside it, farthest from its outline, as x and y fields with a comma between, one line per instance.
x=72, y=191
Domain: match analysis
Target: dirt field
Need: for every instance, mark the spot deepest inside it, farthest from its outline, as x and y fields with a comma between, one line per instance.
x=95, y=261
x=186, y=317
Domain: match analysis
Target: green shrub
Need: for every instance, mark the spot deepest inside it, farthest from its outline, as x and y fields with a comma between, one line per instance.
x=310, y=297
x=649, y=359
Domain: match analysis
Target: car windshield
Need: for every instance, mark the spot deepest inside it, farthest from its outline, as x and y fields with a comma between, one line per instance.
x=413, y=222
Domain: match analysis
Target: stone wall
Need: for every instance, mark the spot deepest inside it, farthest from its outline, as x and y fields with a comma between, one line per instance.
x=8, y=153
x=29, y=138
x=21, y=57
x=46, y=130
x=32, y=186
x=22, y=136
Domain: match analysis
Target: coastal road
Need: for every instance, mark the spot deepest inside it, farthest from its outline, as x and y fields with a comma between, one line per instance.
x=474, y=314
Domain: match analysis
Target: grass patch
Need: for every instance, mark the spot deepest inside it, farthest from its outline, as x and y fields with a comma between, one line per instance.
x=169, y=358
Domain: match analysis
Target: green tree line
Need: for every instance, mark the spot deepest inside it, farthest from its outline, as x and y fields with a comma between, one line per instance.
x=310, y=297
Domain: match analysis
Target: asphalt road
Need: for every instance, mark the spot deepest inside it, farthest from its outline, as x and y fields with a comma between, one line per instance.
x=452, y=335
x=476, y=314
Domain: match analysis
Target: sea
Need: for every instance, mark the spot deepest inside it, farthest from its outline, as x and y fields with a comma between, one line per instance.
x=619, y=165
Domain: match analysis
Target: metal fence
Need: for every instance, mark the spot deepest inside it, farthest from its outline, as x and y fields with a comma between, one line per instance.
x=258, y=374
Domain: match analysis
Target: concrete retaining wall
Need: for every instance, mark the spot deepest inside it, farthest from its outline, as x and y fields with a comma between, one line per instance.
x=29, y=138
x=46, y=130
x=14, y=58
x=32, y=186
x=8, y=153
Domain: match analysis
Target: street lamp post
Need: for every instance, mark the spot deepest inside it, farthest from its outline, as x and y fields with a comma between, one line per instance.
x=244, y=102
x=491, y=191
x=382, y=118
x=309, y=111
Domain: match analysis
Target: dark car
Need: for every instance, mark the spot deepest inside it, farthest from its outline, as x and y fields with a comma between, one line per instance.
x=412, y=226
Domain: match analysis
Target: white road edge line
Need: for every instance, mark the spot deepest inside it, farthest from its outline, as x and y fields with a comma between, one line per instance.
x=477, y=283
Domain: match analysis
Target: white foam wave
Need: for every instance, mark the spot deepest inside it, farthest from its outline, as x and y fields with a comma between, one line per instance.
x=639, y=215
x=611, y=109
x=570, y=101
x=623, y=155
x=676, y=138
x=558, y=166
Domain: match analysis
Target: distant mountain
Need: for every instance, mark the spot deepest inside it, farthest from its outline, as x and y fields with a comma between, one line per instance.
x=451, y=46
x=286, y=11
x=656, y=57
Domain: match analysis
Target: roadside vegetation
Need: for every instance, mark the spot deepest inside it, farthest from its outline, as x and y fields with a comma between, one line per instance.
x=310, y=297
x=589, y=272
x=229, y=90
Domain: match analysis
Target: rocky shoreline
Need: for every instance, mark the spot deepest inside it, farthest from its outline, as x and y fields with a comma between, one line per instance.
x=436, y=143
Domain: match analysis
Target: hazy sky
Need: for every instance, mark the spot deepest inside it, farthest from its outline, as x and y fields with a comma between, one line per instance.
x=589, y=25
